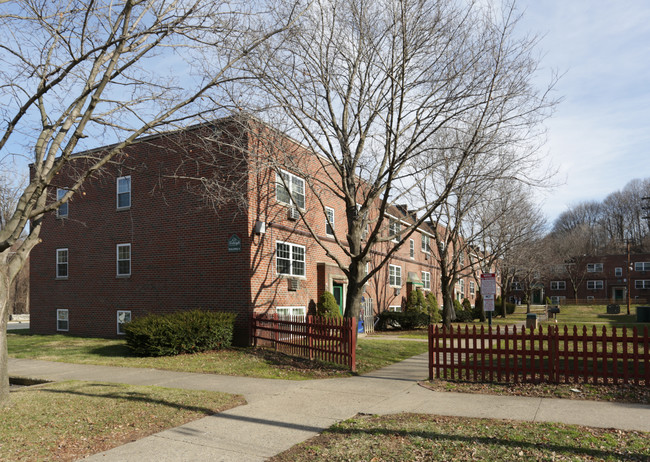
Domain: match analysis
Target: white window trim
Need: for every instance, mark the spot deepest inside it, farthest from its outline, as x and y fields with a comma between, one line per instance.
x=472, y=288
x=398, y=228
x=644, y=284
x=642, y=266
x=597, y=284
x=59, y=194
x=291, y=260
x=67, y=320
x=618, y=272
x=121, y=323
x=117, y=260
x=117, y=192
x=329, y=220
x=67, y=263
x=595, y=268
x=426, y=281
x=395, y=308
x=558, y=285
x=280, y=183
x=412, y=249
x=425, y=243
x=391, y=267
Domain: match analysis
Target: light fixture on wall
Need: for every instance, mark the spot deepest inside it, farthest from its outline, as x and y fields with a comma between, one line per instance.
x=260, y=227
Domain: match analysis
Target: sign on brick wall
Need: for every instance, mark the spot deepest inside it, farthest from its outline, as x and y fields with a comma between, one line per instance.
x=234, y=243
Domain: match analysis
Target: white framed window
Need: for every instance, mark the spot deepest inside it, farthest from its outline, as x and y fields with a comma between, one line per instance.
x=412, y=248
x=123, y=260
x=594, y=285
x=594, y=267
x=62, y=263
x=516, y=286
x=290, y=189
x=642, y=284
x=288, y=313
x=62, y=322
x=618, y=272
x=558, y=285
x=590, y=298
x=426, y=280
x=62, y=211
x=122, y=318
x=642, y=266
x=461, y=258
x=329, y=221
x=285, y=312
x=394, y=229
x=472, y=287
x=289, y=259
x=124, y=192
x=558, y=300
x=395, y=308
x=426, y=244
x=461, y=286
x=395, y=275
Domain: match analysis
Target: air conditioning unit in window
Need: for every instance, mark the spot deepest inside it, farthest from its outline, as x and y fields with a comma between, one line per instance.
x=294, y=214
x=294, y=284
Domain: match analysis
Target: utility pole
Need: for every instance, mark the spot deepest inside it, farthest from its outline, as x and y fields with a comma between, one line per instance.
x=628, y=276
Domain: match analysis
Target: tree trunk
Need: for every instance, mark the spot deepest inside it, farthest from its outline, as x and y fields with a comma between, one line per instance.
x=448, y=311
x=354, y=293
x=4, y=318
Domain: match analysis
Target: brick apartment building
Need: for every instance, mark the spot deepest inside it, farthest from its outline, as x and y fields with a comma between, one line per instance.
x=600, y=279
x=136, y=239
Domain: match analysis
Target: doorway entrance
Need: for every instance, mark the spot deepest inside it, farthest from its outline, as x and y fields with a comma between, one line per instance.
x=618, y=294
x=337, y=290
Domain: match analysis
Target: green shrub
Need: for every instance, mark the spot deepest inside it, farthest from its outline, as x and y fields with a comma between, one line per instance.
x=401, y=321
x=180, y=332
x=462, y=314
x=432, y=308
x=327, y=306
x=510, y=308
x=477, y=312
x=415, y=302
x=467, y=305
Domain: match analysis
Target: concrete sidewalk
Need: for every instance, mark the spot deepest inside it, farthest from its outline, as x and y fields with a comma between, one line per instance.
x=282, y=413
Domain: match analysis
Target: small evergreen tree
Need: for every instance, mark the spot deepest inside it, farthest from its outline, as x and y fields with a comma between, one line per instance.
x=467, y=305
x=327, y=306
x=478, y=312
x=432, y=308
x=415, y=302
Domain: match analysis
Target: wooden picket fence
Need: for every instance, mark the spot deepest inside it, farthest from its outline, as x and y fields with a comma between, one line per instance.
x=509, y=354
x=312, y=337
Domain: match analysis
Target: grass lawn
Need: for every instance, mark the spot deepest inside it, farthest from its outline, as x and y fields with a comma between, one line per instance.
x=371, y=354
x=71, y=420
x=589, y=316
x=416, y=437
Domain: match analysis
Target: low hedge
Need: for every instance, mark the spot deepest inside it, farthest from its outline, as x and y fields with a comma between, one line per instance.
x=397, y=320
x=180, y=332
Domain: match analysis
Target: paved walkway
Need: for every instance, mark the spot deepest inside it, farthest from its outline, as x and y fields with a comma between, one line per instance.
x=282, y=413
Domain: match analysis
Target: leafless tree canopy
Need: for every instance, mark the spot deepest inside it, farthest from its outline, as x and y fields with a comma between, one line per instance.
x=606, y=226
x=399, y=96
x=106, y=71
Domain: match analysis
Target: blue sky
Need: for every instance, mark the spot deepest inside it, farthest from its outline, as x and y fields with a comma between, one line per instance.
x=599, y=136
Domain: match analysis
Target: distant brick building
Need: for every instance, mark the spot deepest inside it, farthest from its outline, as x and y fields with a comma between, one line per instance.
x=137, y=240
x=599, y=279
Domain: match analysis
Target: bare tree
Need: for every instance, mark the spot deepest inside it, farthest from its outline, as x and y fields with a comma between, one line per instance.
x=508, y=220
x=70, y=70
x=385, y=93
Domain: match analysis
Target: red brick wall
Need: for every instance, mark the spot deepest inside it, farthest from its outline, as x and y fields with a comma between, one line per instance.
x=179, y=254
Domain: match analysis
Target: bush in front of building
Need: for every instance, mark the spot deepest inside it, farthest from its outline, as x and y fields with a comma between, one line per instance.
x=433, y=309
x=180, y=332
x=462, y=314
x=415, y=302
x=401, y=320
x=327, y=306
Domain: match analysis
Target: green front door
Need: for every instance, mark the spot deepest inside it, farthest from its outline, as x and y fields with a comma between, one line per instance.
x=337, y=290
